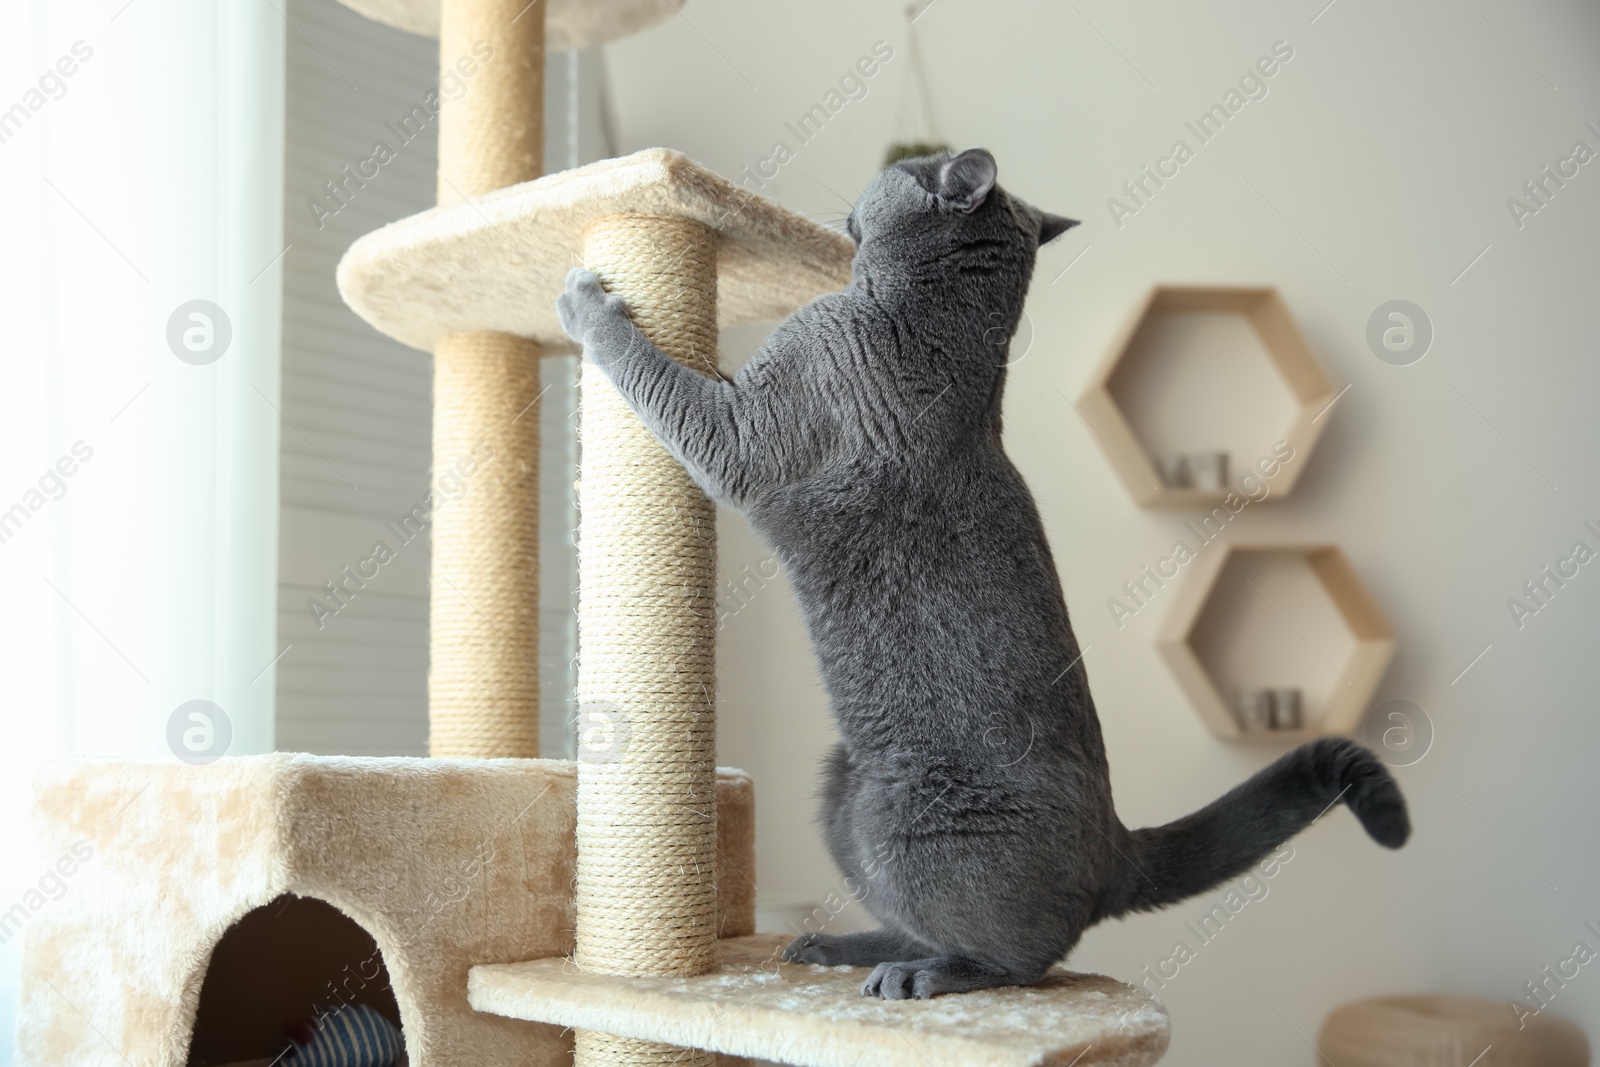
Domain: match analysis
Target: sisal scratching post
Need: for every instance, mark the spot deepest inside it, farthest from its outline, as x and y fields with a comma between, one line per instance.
x=483, y=678
x=646, y=899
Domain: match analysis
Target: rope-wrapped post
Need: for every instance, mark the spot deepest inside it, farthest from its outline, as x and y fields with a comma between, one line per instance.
x=483, y=676
x=646, y=898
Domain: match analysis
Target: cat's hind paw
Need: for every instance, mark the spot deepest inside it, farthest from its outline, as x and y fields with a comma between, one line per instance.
x=925, y=979
x=859, y=948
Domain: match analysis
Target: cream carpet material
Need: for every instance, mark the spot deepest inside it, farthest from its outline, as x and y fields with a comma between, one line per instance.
x=498, y=262
x=446, y=863
x=753, y=1005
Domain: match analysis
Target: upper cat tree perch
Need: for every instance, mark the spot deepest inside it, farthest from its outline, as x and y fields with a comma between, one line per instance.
x=568, y=23
x=475, y=281
x=494, y=264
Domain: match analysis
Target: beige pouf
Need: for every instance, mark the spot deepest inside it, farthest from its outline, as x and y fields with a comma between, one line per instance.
x=1447, y=1031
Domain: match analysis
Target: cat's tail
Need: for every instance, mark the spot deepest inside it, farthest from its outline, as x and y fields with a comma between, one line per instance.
x=1229, y=835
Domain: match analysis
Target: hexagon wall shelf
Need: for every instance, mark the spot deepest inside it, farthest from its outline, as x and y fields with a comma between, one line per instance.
x=1263, y=616
x=1260, y=321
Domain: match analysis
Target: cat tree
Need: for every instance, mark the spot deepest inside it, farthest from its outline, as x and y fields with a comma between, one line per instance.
x=617, y=899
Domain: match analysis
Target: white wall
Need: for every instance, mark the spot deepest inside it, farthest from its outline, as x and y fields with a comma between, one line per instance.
x=1377, y=167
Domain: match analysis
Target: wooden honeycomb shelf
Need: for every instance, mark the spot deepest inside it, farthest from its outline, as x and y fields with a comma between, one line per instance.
x=1131, y=455
x=1358, y=659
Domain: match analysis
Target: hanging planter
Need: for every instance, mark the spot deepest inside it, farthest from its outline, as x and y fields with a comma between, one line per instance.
x=921, y=133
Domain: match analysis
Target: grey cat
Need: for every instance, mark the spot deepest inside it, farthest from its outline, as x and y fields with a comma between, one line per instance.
x=969, y=800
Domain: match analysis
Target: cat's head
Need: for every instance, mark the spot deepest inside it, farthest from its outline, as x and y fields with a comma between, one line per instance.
x=934, y=211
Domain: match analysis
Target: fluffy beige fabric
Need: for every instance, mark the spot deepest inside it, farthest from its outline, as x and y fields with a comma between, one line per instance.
x=112, y=970
x=753, y=1005
x=497, y=263
x=570, y=23
x=1413, y=1031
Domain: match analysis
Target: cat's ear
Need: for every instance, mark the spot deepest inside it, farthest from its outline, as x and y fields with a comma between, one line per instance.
x=1053, y=226
x=966, y=180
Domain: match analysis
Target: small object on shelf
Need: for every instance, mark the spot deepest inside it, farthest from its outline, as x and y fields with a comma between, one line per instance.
x=1255, y=709
x=1288, y=709
x=1176, y=473
x=1208, y=471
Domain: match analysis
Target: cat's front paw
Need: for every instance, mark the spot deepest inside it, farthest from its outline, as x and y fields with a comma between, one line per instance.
x=587, y=311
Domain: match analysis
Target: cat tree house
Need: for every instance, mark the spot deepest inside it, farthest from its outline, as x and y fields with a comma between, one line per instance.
x=509, y=899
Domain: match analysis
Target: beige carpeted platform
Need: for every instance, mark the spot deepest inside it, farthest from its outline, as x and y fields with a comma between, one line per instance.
x=753, y=1005
x=445, y=863
x=498, y=262
x=568, y=23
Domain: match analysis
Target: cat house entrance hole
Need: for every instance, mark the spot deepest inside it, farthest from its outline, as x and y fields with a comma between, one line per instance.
x=283, y=962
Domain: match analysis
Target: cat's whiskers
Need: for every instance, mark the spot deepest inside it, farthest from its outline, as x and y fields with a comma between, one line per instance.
x=849, y=204
x=832, y=221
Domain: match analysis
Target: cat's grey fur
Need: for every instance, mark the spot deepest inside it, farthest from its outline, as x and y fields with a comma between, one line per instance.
x=969, y=801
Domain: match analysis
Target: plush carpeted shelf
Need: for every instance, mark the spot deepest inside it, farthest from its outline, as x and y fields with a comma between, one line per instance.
x=754, y=1005
x=498, y=261
x=568, y=23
